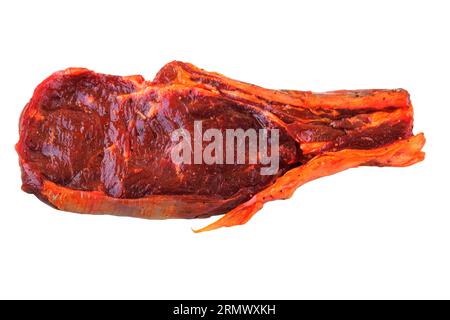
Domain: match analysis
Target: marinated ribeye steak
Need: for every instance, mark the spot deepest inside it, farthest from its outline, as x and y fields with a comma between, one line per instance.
x=102, y=144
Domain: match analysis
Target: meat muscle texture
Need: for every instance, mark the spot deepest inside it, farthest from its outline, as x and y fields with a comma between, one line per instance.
x=100, y=144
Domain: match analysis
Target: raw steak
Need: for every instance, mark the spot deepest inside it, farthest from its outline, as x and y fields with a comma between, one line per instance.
x=101, y=144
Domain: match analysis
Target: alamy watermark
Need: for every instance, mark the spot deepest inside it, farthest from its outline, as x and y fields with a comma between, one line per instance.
x=189, y=150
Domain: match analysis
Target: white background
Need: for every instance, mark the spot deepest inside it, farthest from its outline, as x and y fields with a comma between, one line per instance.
x=363, y=233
